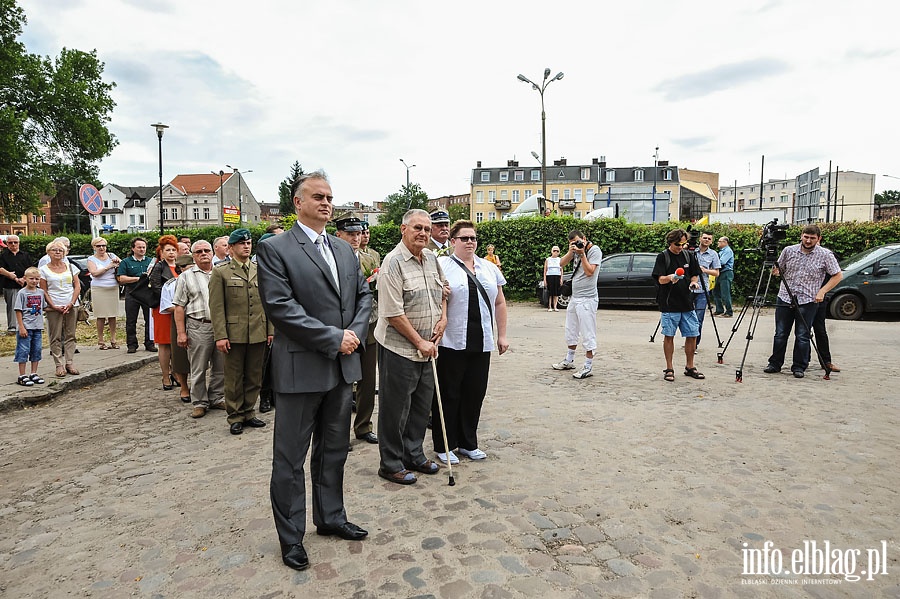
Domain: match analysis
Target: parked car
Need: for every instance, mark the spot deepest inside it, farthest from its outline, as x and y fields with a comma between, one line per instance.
x=871, y=283
x=623, y=279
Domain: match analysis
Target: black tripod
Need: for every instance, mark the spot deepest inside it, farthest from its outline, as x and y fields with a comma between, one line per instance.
x=757, y=301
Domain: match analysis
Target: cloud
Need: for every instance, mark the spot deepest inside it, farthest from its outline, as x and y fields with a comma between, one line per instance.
x=861, y=54
x=703, y=83
x=154, y=6
x=343, y=133
x=693, y=142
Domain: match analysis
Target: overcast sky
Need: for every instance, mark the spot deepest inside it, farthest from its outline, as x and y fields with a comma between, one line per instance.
x=353, y=86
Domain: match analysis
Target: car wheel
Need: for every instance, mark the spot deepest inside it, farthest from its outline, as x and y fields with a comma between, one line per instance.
x=545, y=299
x=847, y=307
x=562, y=301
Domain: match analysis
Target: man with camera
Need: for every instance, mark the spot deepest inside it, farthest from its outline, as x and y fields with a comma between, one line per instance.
x=802, y=267
x=581, y=314
x=677, y=275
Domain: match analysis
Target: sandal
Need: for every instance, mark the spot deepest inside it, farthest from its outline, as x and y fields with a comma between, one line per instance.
x=404, y=477
x=25, y=381
x=113, y=345
x=71, y=369
x=669, y=375
x=60, y=371
x=103, y=345
x=35, y=378
x=694, y=373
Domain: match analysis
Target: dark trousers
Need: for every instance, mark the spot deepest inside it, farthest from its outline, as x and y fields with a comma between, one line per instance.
x=463, y=380
x=722, y=292
x=787, y=317
x=243, y=379
x=365, y=391
x=404, y=399
x=9, y=296
x=821, y=334
x=323, y=418
x=132, y=309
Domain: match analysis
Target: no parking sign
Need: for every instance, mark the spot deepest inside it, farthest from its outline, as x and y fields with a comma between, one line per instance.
x=90, y=198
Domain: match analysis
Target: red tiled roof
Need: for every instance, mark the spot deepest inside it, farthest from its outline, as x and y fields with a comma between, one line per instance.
x=199, y=184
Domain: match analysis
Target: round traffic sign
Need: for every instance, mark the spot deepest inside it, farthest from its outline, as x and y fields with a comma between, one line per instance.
x=90, y=198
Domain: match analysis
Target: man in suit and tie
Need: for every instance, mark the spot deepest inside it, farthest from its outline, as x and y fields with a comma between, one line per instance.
x=315, y=295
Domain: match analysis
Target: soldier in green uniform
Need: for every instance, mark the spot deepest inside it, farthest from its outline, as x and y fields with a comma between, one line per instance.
x=240, y=330
x=350, y=228
x=440, y=233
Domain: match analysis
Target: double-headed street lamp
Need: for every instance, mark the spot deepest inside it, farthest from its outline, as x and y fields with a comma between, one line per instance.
x=408, y=193
x=540, y=89
x=160, y=129
x=239, y=172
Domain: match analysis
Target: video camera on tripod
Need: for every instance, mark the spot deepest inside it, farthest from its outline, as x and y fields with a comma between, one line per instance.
x=772, y=234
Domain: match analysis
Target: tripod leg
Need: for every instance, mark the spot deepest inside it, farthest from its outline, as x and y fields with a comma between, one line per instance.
x=655, y=331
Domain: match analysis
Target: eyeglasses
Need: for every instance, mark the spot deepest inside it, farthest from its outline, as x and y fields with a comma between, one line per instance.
x=683, y=244
x=468, y=238
x=98, y=246
x=554, y=250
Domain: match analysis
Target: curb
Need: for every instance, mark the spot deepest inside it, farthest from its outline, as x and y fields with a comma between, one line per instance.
x=34, y=396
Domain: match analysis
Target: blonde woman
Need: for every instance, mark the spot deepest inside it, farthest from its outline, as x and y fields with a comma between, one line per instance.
x=104, y=291
x=59, y=280
x=492, y=257
x=552, y=279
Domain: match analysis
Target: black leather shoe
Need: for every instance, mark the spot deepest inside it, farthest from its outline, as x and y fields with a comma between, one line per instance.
x=369, y=437
x=265, y=405
x=771, y=369
x=347, y=531
x=255, y=423
x=295, y=557
x=798, y=374
x=237, y=428
x=152, y=348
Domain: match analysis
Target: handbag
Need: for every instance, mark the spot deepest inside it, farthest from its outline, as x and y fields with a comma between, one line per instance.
x=141, y=293
x=566, y=288
x=83, y=314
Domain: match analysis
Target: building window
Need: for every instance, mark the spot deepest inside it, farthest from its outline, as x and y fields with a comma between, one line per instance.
x=141, y=219
x=43, y=218
x=784, y=199
x=504, y=195
x=589, y=196
x=567, y=194
x=206, y=214
x=196, y=214
x=504, y=175
x=479, y=197
x=492, y=216
x=578, y=214
x=577, y=195
x=554, y=195
x=479, y=217
x=515, y=196
x=536, y=174
x=174, y=213
x=527, y=194
x=667, y=175
x=115, y=203
x=519, y=175
x=586, y=173
x=610, y=176
x=638, y=174
x=485, y=176
x=753, y=202
x=492, y=196
x=112, y=219
x=131, y=220
x=165, y=214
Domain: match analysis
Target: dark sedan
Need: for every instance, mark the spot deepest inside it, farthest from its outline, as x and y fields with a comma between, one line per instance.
x=871, y=283
x=623, y=279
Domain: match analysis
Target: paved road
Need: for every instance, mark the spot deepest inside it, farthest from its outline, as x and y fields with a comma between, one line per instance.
x=618, y=485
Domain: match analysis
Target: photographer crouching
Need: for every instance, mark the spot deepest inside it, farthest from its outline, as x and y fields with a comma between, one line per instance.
x=581, y=314
x=802, y=268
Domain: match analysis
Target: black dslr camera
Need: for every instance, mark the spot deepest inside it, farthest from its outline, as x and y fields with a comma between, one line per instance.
x=579, y=244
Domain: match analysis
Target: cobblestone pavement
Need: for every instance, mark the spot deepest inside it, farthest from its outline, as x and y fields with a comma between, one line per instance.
x=620, y=485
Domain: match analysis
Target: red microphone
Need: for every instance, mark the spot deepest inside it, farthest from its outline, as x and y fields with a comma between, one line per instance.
x=679, y=272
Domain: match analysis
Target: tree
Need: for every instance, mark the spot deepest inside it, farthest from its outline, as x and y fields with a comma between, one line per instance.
x=458, y=212
x=889, y=196
x=53, y=117
x=396, y=204
x=286, y=188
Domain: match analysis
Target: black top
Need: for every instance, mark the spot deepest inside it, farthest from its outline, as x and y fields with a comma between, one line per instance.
x=677, y=296
x=16, y=263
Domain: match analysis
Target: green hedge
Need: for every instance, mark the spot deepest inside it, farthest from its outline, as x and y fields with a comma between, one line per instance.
x=523, y=243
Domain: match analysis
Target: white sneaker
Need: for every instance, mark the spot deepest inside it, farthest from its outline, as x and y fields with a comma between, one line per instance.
x=475, y=454
x=564, y=365
x=583, y=373
x=453, y=459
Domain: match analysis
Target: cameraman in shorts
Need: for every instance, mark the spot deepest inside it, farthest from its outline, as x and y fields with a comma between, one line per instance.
x=581, y=314
x=803, y=267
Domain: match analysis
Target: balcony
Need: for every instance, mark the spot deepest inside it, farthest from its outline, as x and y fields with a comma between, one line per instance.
x=567, y=204
x=502, y=205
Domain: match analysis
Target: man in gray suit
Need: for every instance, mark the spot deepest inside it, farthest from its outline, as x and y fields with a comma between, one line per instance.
x=314, y=293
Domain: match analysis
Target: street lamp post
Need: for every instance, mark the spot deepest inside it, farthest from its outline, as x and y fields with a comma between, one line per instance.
x=540, y=89
x=238, y=172
x=160, y=129
x=655, y=168
x=408, y=193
